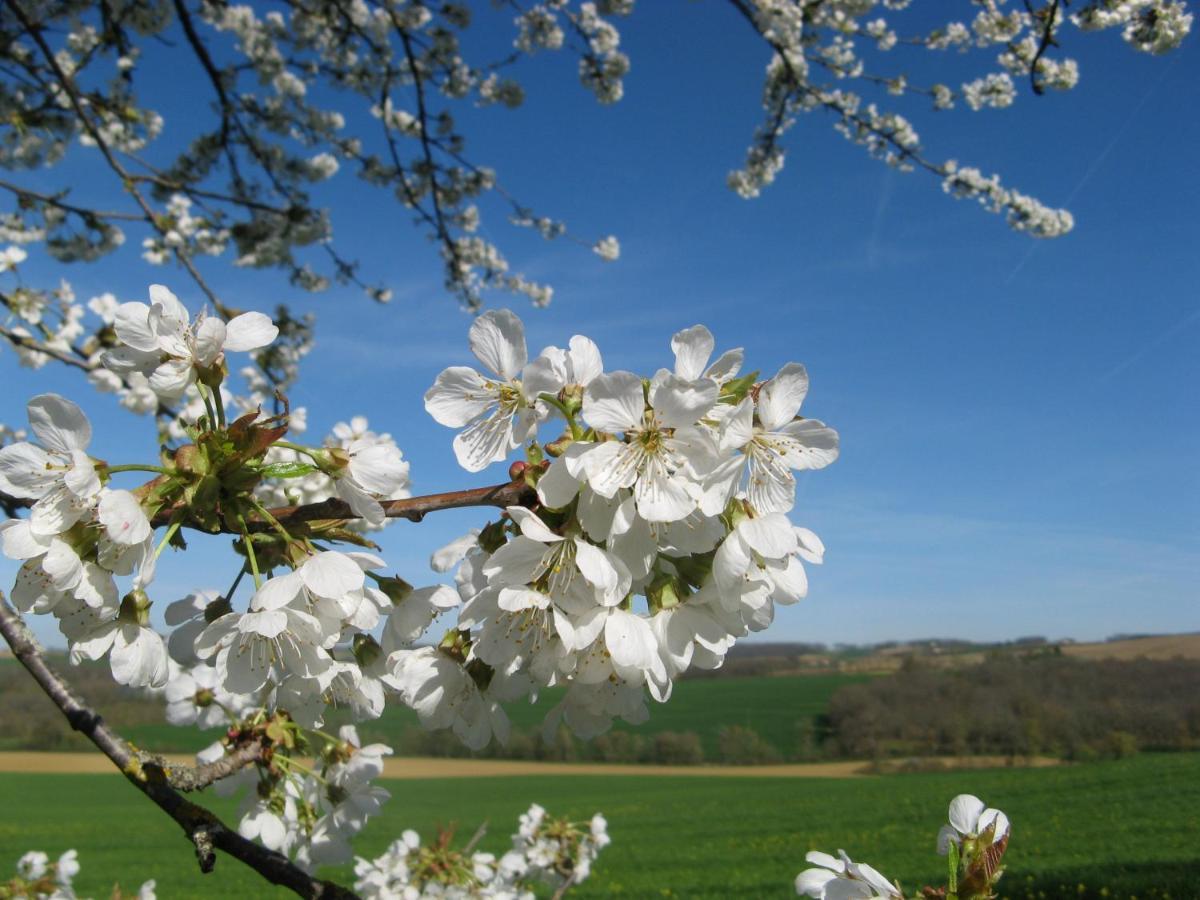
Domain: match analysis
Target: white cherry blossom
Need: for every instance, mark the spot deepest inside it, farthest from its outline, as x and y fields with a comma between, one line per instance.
x=58, y=475
x=497, y=411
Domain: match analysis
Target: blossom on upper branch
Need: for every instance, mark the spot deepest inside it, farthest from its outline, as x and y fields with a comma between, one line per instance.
x=163, y=344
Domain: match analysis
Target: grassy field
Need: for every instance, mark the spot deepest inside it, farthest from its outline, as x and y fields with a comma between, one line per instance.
x=1113, y=830
x=774, y=707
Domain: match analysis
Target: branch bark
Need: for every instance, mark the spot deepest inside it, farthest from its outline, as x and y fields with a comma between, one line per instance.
x=513, y=493
x=206, y=832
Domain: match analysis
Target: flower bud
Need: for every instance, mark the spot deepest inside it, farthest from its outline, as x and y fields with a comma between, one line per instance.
x=135, y=609
x=394, y=587
x=366, y=650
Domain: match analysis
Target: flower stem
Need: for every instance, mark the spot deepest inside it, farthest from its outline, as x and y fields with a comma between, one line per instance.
x=249, y=544
x=310, y=452
x=271, y=520
x=551, y=400
x=171, y=529
x=137, y=467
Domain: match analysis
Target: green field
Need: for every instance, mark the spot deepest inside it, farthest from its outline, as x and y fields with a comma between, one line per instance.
x=775, y=707
x=1117, y=829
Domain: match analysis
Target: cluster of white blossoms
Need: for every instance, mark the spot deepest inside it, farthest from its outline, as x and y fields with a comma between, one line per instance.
x=38, y=878
x=79, y=535
x=975, y=839
x=545, y=850
x=659, y=535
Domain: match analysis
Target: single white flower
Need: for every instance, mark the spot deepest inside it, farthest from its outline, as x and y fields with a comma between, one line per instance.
x=161, y=342
x=771, y=442
x=59, y=475
x=659, y=457
x=497, y=412
x=969, y=818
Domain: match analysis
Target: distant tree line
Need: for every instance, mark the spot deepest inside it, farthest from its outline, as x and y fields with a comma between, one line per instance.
x=1052, y=705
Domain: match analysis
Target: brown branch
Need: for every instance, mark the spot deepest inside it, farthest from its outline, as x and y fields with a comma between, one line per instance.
x=195, y=778
x=56, y=200
x=29, y=343
x=202, y=827
x=512, y=493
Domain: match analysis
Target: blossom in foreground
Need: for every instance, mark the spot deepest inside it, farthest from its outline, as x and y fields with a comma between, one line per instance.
x=841, y=878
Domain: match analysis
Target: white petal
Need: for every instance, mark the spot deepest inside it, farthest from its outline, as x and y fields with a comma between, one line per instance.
x=249, y=331
x=361, y=503
x=27, y=469
x=810, y=548
x=497, y=339
x=172, y=378
x=484, y=441
x=611, y=466
x=678, y=402
x=807, y=444
x=458, y=396
x=519, y=599
x=123, y=518
x=132, y=325
x=59, y=424
x=693, y=346
x=557, y=487
x=596, y=567
x=210, y=339
x=771, y=487
x=771, y=536
x=965, y=810
x=277, y=593
x=629, y=639
x=167, y=315
x=81, y=478
x=516, y=562
x=531, y=526
x=57, y=511
x=811, y=882
x=614, y=402
x=586, y=363
x=729, y=566
x=449, y=556
x=331, y=574
x=727, y=366
x=139, y=658
x=661, y=497
x=738, y=427
x=19, y=541
x=780, y=398
x=989, y=816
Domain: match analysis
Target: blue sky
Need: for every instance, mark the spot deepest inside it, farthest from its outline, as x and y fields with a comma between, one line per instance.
x=1018, y=418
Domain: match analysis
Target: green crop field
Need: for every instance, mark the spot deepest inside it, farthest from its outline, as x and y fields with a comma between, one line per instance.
x=774, y=707
x=1117, y=829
